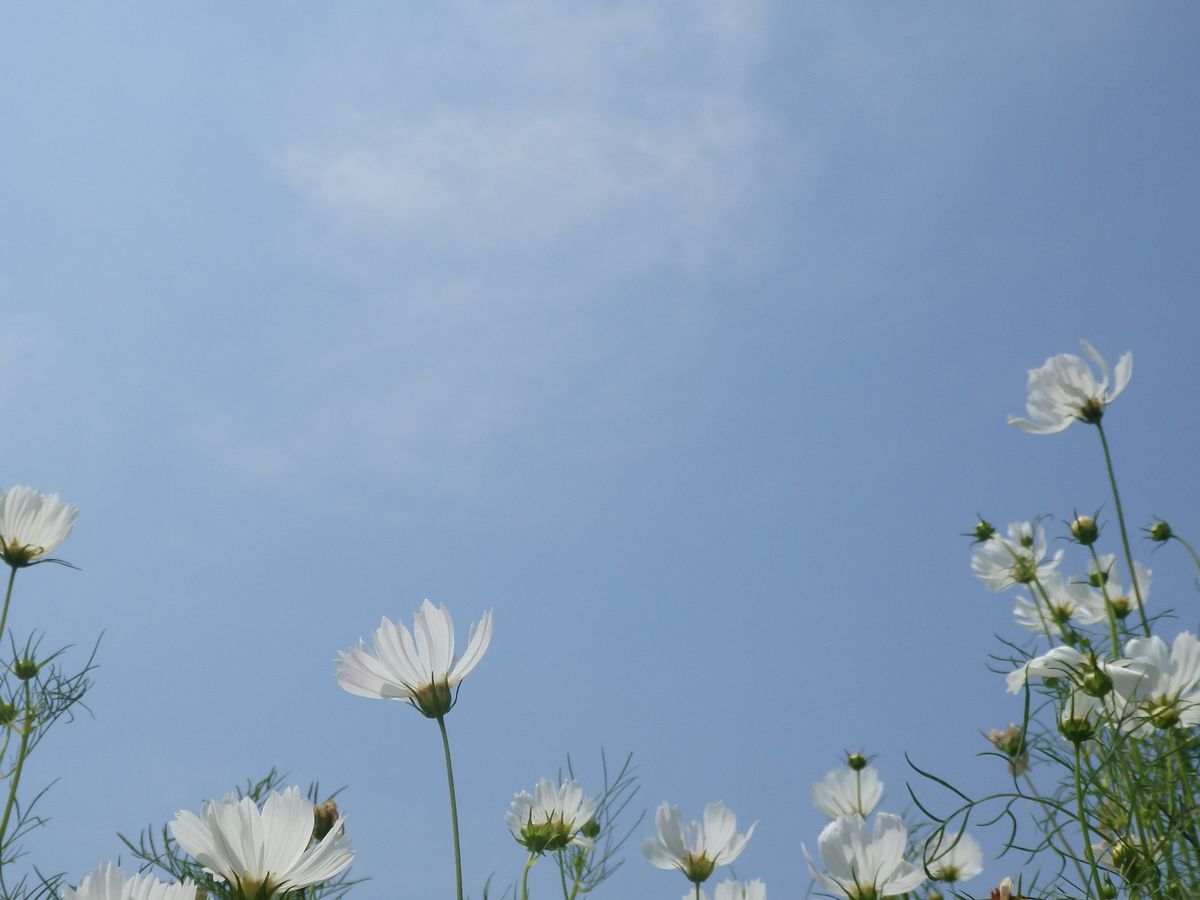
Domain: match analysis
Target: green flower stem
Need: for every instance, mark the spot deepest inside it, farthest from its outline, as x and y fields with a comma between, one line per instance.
x=1039, y=598
x=697, y=890
x=1108, y=607
x=1066, y=843
x=562, y=875
x=525, y=876
x=1190, y=549
x=12, y=576
x=1083, y=825
x=453, y=808
x=22, y=753
x=1112, y=478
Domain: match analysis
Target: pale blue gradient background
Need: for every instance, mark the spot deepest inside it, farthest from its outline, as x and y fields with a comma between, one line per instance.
x=682, y=335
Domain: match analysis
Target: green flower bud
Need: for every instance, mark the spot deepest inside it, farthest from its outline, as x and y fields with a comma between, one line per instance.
x=983, y=531
x=1095, y=682
x=856, y=761
x=1160, y=531
x=1129, y=861
x=1077, y=729
x=1027, y=541
x=1084, y=530
x=26, y=669
x=325, y=816
x=590, y=829
x=1107, y=890
x=8, y=713
x=1163, y=714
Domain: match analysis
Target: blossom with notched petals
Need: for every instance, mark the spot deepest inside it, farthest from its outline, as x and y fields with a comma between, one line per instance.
x=418, y=668
x=1064, y=389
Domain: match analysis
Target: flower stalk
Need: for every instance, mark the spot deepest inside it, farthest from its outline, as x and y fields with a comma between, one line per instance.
x=458, y=882
x=1112, y=480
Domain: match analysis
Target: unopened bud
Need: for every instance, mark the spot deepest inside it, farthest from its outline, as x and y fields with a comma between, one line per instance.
x=983, y=531
x=1107, y=890
x=590, y=829
x=325, y=816
x=25, y=669
x=856, y=761
x=1095, y=682
x=1121, y=607
x=1084, y=530
x=1077, y=729
x=1160, y=531
x=1004, y=891
x=8, y=713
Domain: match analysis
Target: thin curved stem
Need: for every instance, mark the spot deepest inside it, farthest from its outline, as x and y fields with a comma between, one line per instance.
x=1083, y=825
x=453, y=808
x=1112, y=479
x=525, y=876
x=22, y=753
x=1190, y=549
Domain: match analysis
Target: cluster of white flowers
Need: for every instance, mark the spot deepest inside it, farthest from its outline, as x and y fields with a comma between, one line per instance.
x=864, y=863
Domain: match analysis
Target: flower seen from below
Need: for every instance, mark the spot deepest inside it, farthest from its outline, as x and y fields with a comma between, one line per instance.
x=1102, y=573
x=32, y=525
x=264, y=852
x=735, y=890
x=952, y=858
x=1170, y=694
x=1019, y=558
x=715, y=842
x=848, y=792
x=418, y=668
x=110, y=883
x=1069, y=602
x=552, y=817
x=1087, y=672
x=1065, y=389
x=864, y=865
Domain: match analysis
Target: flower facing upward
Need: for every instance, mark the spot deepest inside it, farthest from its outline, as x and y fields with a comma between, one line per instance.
x=1064, y=389
x=417, y=668
x=109, y=883
x=848, y=792
x=953, y=857
x=32, y=525
x=714, y=843
x=551, y=818
x=263, y=852
x=865, y=866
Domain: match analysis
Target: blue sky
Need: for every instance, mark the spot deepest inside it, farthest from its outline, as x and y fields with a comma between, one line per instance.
x=681, y=335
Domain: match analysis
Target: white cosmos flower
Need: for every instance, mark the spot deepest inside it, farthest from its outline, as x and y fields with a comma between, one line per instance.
x=714, y=843
x=735, y=890
x=418, y=668
x=269, y=850
x=845, y=792
x=1170, y=694
x=1103, y=570
x=1018, y=558
x=1064, y=389
x=110, y=883
x=865, y=866
x=1070, y=601
x=32, y=525
x=1082, y=670
x=550, y=819
x=953, y=857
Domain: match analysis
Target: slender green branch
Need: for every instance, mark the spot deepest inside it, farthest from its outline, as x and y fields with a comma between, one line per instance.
x=453, y=808
x=1083, y=825
x=12, y=576
x=1108, y=606
x=1112, y=478
x=525, y=876
x=22, y=754
x=1190, y=549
